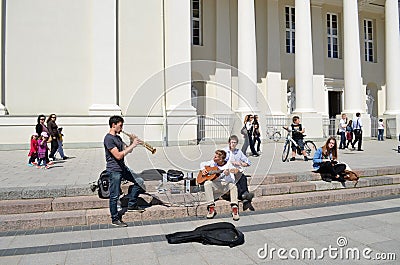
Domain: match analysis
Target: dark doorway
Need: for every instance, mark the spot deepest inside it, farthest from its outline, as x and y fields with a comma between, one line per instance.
x=335, y=103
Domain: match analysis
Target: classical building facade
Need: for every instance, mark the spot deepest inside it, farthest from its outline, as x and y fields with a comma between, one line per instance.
x=174, y=67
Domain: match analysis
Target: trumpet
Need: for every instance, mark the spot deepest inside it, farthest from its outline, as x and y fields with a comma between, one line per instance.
x=146, y=145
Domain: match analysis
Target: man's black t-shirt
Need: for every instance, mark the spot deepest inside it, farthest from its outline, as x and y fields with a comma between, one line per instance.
x=296, y=131
x=111, y=141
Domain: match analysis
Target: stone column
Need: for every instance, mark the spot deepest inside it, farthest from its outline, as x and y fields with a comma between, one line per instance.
x=182, y=121
x=354, y=95
x=304, y=71
x=275, y=93
x=104, y=85
x=392, y=57
x=247, y=58
x=223, y=72
x=303, y=58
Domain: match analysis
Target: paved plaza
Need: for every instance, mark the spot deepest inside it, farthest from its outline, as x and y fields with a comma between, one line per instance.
x=361, y=232
x=85, y=165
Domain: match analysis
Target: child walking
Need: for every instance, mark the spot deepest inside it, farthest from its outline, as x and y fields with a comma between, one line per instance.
x=42, y=149
x=33, y=152
x=381, y=129
x=349, y=133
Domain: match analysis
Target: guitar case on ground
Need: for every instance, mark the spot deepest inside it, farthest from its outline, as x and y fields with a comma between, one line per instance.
x=222, y=234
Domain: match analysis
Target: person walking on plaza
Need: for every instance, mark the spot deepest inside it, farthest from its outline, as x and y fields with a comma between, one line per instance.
x=53, y=131
x=342, y=131
x=60, y=148
x=237, y=159
x=41, y=127
x=224, y=182
x=33, y=151
x=381, y=129
x=248, y=137
x=42, y=151
x=256, y=134
x=357, y=129
x=349, y=133
x=115, y=152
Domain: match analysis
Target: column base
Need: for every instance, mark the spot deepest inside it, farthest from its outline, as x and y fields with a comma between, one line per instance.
x=392, y=126
x=312, y=122
x=3, y=110
x=104, y=110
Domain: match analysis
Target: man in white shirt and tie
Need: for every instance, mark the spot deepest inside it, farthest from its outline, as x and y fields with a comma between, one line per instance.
x=357, y=129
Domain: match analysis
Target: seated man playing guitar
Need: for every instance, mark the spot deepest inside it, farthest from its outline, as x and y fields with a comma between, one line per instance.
x=220, y=175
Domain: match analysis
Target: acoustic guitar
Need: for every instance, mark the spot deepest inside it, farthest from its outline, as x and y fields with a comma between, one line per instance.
x=213, y=173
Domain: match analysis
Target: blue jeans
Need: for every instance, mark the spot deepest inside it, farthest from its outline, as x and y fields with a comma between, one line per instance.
x=115, y=184
x=60, y=149
x=342, y=144
x=380, y=134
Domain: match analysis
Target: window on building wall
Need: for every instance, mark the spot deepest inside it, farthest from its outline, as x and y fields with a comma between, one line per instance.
x=290, y=29
x=368, y=40
x=196, y=22
x=333, y=35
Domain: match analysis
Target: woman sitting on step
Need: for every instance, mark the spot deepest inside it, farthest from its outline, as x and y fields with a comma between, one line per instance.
x=325, y=162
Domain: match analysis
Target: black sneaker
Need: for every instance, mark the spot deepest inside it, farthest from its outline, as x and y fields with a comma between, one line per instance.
x=248, y=206
x=135, y=209
x=306, y=158
x=248, y=196
x=119, y=223
x=292, y=159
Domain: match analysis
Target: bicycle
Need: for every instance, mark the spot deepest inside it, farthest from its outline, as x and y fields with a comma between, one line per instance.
x=309, y=147
x=273, y=133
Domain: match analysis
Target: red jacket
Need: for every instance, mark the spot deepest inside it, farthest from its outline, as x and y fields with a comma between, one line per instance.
x=34, y=147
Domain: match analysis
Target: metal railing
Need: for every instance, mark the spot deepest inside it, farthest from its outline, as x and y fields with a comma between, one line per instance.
x=275, y=123
x=218, y=127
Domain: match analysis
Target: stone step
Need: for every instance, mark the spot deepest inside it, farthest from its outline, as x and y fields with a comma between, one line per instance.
x=31, y=221
x=319, y=185
x=40, y=192
x=310, y=176
x=93, y=202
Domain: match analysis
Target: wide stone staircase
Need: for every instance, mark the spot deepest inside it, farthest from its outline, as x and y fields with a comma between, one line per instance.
x=58, y=207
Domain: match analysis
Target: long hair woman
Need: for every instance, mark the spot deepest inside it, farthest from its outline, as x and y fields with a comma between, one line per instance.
x=325, y=162
x=248, y=138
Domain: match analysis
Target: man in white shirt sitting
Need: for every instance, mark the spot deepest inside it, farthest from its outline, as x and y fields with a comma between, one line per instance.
x=238, y=160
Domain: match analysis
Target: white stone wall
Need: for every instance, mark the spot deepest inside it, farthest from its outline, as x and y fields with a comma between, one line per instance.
x=58, y=61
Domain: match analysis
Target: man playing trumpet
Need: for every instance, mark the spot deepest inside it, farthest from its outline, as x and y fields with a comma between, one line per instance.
x=115, y=151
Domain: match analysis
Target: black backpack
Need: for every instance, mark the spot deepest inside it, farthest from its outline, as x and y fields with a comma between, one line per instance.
x=103, y=184
x=222, y=234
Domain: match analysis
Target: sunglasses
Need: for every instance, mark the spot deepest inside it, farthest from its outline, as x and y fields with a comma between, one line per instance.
x=42, y=119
